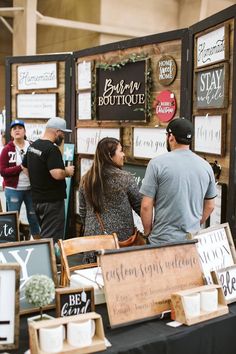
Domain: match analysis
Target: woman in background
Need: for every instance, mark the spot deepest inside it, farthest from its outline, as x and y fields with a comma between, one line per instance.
x=109, y=193
x=15, y=181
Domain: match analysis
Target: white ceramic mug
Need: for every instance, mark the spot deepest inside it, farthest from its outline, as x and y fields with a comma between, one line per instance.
x=192, y=304
x=51, y=339
x=209, y=300
x=80, y=334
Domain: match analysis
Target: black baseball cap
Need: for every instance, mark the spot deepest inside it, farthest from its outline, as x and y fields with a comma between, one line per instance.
x=182, y=129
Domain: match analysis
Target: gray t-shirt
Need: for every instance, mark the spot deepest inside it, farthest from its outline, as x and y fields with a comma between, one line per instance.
x=178, y=181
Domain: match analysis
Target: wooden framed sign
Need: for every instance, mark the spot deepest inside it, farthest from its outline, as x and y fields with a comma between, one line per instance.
x=226, y=277
x=148, y=142
x=210, y=134
x=166, y=70
x=213, y=46
x=139, y=281
x=84, y=75
x=9, y=306
x=212, y=87
x=216, y=249
x=85, y=165
x=34, y=131
x=87, y=138
x=84, y=106
x=9, y=227
x=36, y=106
x=122, y=91
x=73, y=301
x=37, y=76
x=218, y=216
x=34, y=257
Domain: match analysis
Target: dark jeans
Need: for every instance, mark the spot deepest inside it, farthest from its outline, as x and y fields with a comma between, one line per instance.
x=14, y=200
x=51, y=216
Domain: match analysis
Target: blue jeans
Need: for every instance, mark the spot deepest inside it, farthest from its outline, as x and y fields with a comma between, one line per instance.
x=14, y=200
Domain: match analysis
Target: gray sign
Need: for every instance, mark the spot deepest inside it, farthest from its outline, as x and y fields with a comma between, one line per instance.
x=211, y=88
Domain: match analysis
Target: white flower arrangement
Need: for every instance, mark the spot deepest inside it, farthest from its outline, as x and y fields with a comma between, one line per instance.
x=39, y=290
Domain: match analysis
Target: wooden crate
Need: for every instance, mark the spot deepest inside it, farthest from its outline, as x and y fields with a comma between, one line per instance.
x=98, y=342
x=179, y=310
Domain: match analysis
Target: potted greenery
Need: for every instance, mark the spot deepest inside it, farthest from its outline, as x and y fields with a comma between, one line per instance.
x=40, y=291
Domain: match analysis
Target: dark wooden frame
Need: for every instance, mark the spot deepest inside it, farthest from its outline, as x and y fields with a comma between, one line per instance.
x=67, y=291
x=17, y=223
x=13, y=267
x=51, y=258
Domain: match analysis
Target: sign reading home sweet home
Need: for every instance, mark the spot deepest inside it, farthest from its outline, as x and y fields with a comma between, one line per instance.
x=139, y=281
x=211, y=87
x=72, y=301
x=166, y=70
x=121, y=92
x=9, y=227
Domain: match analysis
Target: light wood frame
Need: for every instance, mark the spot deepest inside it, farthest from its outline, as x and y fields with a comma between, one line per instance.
x=34, y=257
x=226, y=278
x=4, y=301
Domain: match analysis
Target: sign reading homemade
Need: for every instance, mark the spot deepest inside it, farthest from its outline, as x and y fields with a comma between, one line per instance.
x=121, y=92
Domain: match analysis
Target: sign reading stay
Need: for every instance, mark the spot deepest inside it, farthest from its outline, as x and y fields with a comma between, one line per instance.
x=211, y=90
x=121, y=92
x=9, y=226
x=139, y=281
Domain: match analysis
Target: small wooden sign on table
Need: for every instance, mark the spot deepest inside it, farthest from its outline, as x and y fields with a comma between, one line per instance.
x=226, y=277
x=9, y=306
x=216, y=249
x=74, y=301
x=139, y=281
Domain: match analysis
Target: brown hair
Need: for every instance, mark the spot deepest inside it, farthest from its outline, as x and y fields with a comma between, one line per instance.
x=94, y=181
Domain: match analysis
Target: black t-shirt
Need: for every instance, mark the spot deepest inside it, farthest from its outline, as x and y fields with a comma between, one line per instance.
x=43, y=156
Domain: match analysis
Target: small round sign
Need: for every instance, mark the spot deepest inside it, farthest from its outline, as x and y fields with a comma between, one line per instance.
x=166, y=70
x=165, y=106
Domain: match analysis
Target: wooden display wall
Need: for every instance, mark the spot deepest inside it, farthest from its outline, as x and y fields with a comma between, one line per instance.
x=149, y=70
x=212, y=104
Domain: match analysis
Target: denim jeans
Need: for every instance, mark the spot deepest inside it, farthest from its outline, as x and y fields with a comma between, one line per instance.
x=14, y=200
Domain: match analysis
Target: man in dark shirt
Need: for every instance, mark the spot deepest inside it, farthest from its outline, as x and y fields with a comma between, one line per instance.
x=47, y=175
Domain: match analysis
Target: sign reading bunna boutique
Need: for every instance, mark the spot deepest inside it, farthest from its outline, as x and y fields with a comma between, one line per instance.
x=121, y=92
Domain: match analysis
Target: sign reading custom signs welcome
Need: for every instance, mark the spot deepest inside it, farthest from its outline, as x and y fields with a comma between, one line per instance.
x=139, y=282
x=121, y=92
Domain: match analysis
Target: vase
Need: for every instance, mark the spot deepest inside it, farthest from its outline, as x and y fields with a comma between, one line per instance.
x=38, y=318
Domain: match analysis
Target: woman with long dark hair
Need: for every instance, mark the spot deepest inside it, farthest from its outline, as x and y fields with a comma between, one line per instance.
x=109, y=193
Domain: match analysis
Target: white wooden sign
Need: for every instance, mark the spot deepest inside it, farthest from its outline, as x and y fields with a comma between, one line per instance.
x=226, y=277
x=87, y=138
x=85, y=165
x=36, y=106
x=34, y=131
x=149, y=142
x=37, y=76
x=84, y=105
x=215, y=217
x=216, y=249
x=211, y=47
x=84, y=75
x=208, y=134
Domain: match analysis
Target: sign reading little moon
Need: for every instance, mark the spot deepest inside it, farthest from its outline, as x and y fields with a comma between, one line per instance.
x=211, y=47
x=166, y=70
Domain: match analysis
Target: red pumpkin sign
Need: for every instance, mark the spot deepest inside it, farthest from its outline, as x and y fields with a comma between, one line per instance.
x=165, y=106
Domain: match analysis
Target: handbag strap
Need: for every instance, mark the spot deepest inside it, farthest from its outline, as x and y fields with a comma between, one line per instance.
x=101, y=223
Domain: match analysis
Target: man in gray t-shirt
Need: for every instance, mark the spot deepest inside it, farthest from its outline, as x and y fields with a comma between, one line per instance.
x=179, y=185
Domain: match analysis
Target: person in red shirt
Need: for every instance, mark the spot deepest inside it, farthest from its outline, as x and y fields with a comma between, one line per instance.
x=15, y=178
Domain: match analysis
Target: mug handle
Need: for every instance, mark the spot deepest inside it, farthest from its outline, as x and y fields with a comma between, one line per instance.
x=93, y=328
